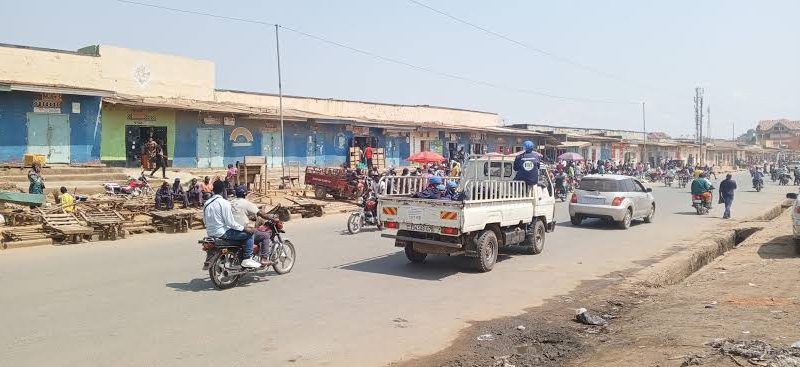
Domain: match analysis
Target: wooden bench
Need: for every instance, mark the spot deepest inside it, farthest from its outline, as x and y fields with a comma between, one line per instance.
x=108, y=224
x=24, y=236
x=67, y=225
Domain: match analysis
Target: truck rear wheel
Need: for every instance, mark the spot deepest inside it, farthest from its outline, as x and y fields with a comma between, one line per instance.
x=487, y=251
x=534, y=242
x=320, y=192
x=413, y=255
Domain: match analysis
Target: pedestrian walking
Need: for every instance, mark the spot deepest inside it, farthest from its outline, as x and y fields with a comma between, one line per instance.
x=160, y=162
x=726, y=190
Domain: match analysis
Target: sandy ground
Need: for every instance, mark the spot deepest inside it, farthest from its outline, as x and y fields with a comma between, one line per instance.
x=750, y=293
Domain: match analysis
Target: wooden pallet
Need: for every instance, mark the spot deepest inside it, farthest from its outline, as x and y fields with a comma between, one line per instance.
x=67, y=226
x=108, y=225
x=24, y=236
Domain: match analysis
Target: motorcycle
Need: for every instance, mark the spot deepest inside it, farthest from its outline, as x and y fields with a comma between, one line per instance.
x=135, y=187
x=758, y=184
x=366, y=214
x=683, y=180
x=700, y=204
x=223, y=257
x=783, y=180
x=561, y=193
x=668, y=181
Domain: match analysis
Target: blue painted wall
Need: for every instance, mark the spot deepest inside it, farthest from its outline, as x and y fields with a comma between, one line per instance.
x=85, y=127
x=185, y=154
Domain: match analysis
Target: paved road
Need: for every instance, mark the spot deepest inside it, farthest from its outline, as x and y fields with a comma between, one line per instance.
x=350, y=301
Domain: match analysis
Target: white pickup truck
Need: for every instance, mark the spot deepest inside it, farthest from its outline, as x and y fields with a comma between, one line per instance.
x=496, y=212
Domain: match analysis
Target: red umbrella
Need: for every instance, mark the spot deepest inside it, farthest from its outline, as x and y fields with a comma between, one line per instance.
x=570, y=156
x=426, y=157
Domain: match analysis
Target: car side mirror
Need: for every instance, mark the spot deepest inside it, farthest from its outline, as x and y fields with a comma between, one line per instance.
x=792, y=196
x=648, y=189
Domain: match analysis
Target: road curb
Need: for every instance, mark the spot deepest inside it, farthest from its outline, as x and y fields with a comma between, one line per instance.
x=694, y=256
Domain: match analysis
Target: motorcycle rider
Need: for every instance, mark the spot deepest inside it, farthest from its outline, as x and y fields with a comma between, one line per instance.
x=220, y=223
x=670, y=173
x=758, y=177
x=702, y=186
x=559, y=179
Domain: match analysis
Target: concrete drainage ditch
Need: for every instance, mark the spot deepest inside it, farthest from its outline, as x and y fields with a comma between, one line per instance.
x=692, y=258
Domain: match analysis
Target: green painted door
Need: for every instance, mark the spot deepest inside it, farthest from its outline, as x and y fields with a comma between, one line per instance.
x=210, y=147
x=271, y=148
x=48, y=134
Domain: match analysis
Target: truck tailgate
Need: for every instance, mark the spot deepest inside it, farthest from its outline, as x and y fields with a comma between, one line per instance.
x=421, y=215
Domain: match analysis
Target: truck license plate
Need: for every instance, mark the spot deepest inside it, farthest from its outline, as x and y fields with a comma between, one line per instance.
x=423, y=228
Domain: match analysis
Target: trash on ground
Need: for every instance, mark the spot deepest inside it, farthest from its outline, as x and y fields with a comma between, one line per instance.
x=521, y=327
x=485, y=337
x=583, y=316
x=759, y=352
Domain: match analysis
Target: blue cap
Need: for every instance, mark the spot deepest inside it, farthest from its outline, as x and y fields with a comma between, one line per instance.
x=452, y=184
x=441, y=187
x=528, y=145
x=436, y=180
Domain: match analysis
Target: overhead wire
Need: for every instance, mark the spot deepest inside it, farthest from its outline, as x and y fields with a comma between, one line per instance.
x=561, y=59
x=385, y=58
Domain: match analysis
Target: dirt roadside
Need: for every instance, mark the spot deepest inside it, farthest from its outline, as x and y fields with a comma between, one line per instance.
x=750, y=293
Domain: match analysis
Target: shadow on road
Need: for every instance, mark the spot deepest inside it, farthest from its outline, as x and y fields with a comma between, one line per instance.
x=597, y=224
x=366, y=229
x=435, y=267
x=782, y=247
x=204, y=284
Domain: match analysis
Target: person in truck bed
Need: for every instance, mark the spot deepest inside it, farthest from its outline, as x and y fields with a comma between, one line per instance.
x=431, y=192
x=451, y=192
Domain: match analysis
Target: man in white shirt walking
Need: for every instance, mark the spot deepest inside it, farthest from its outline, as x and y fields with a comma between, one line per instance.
x=220, y=223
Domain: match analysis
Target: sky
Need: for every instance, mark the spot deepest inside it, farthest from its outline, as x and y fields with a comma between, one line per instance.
x=743, y=53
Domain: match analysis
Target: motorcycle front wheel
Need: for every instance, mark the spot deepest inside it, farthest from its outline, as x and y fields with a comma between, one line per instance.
x=220, y=275
x=354, y=223
x=283, y=258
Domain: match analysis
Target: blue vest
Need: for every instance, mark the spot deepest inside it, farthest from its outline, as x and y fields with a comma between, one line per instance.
x=527, y=167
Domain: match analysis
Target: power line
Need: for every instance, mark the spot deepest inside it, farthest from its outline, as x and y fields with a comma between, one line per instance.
x=385, y=58
x=540, y=51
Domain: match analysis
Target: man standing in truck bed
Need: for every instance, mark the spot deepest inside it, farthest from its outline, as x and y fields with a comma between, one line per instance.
x=527, y=165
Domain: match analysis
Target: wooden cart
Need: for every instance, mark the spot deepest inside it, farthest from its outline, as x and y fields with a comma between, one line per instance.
x=175, y=220
x=66, y=226
x=108, y=225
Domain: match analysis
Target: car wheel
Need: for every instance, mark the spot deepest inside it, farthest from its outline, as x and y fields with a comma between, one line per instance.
x=487, y=251
x=534, y=242
x=576, y=220
x=625, y=223
x=649, y=218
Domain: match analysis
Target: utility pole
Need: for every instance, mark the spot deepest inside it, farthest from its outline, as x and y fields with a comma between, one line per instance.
x=708, y=120
x=280, y=102
x=733, y=131
x=644, y=136
x=698, y=120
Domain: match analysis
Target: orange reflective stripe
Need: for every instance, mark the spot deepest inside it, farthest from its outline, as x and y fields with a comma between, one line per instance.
x=390, y=211
x=448, y=215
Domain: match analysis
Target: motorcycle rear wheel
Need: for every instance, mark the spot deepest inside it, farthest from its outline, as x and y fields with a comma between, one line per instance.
x=219, y=275
x=354, y=223
x=283, y=258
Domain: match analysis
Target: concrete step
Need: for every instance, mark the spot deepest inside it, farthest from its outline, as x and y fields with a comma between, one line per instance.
x=61, y=170
x=76, y=176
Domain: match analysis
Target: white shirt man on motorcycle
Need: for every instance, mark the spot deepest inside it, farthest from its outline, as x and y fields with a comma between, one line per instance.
x=220, y=223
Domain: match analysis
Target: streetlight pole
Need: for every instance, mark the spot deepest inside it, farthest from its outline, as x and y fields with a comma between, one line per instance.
x=280, y=102
x=644, y=136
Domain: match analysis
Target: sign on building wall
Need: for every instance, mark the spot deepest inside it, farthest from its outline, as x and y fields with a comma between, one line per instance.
x=229, y=120
x=241, y=137
x=359, y=130
x=47, y=103
x=141, y=116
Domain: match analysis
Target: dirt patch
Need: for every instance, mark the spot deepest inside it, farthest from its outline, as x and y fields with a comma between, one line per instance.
x=747, y=294
x=759, y=301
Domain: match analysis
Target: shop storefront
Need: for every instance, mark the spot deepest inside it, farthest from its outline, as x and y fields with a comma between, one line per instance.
x=126, y=129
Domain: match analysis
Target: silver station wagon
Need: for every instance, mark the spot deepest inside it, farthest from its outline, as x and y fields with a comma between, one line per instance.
x=615, y=198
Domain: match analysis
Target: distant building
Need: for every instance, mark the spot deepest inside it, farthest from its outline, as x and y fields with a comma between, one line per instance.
x=782, y=134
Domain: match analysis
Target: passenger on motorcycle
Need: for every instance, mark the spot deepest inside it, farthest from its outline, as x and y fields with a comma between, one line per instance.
x=243, y=211
x=702, y=186
x=220, y=223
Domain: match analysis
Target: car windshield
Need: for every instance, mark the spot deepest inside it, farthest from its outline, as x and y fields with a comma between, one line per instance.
x=601, y=185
